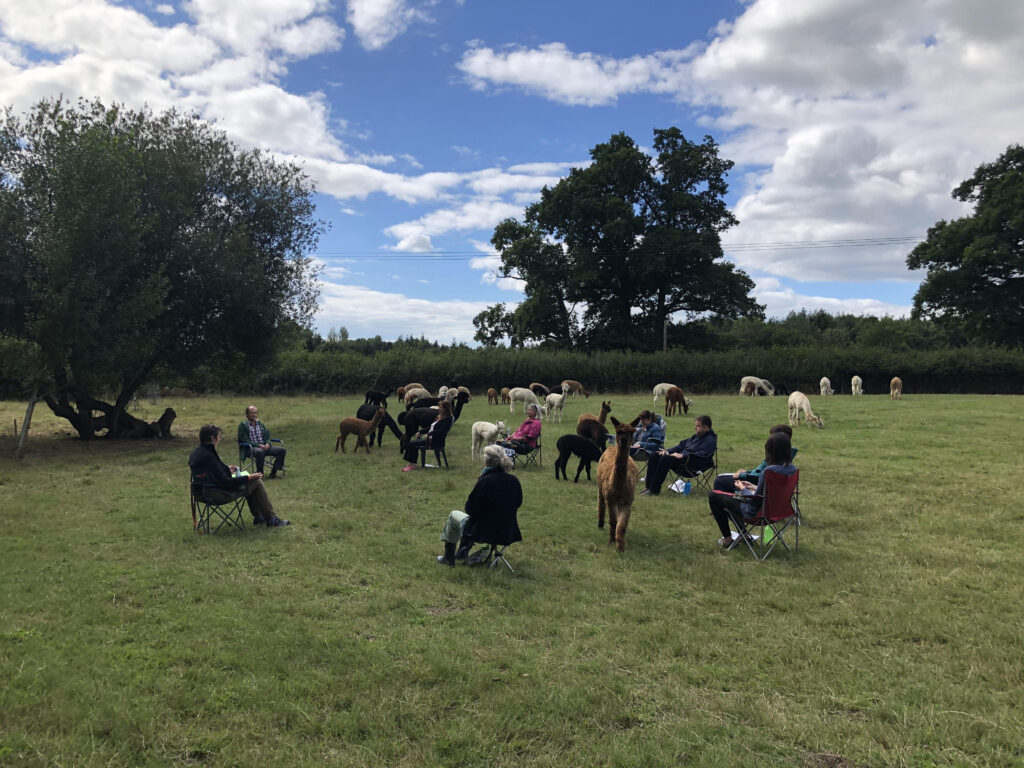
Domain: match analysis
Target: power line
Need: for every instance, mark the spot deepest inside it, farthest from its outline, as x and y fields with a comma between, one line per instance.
x=785, y=245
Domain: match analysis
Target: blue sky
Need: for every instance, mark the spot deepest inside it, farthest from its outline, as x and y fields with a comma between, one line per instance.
x=425, y=122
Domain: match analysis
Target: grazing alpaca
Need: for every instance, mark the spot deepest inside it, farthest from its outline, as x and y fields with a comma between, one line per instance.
x=400, y=394
x=504, y=395
x=484, y=434
x=420, y=418
x=539, y=389
x=555, y=401
x=412, y=394
x=856, y=386
x=606, y=408
x=569, y=445
x=492, y=396
x=524, y=396
x=896, y=388
x=366, y=412
x=429, y=402
x=798, y=402
x=825, y=386
x=571, y=385
x=751, y=385
x=377, y=397
x=360, y=427
x=674, y=400
x=414, y=385
x=661, y=389
x=616, y=485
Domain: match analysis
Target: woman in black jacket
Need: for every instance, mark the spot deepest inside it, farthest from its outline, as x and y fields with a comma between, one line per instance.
x=209, y=470
x=490, y=515
x=434, y=436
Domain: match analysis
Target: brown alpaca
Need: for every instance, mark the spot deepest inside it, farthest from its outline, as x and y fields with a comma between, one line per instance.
x=504, y=395
x=616, y=485
x=571, y=385
x=492, y=396
x=606, y=408
x=360, y=428
x=674, y=398
x=400, y=394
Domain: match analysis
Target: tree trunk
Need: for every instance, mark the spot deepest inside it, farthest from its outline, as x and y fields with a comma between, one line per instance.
x=23, y=435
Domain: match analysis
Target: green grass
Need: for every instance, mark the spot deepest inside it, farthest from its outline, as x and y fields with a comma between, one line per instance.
x=893, y=637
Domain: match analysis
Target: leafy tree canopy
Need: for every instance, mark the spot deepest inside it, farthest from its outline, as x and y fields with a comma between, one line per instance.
x=976, y=263
x=131, y=240
x=616, y=248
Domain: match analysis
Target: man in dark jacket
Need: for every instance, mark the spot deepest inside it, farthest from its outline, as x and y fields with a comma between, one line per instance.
x=255, y=432
x=688, y=458
x=209, y=470
x=490, y=515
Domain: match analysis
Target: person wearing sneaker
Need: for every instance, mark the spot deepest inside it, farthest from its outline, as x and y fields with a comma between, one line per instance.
x=688, y=458
x=210, y=470
x=255, y=432
x=490, y=514
x=778, y=453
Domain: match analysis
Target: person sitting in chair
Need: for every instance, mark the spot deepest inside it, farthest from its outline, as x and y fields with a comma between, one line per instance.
x=435, y=434
x=209, y=470
x=747, y=501
x=490, y=512
x=649, y=437
x=727, y=482
x=524, y=439
x=688, y=458
x=255, y=432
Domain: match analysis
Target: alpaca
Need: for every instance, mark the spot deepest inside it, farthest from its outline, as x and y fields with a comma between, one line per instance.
x=674, y=400
x=414, y=385
x=593, y=430
x=366, y=412
x=554, y=402
x=606, y=408
x=896, y=388
x=504, y=395
x=825, y=386
x=661, y=389
x=400, y=394
x=751, y=385
x=420, y=418
x=526, y=397
x=485, y=433
x=856, y=386
x=442, y=391
x=539, y=389
x=575, y=387
x=617, y=475
x=377, y=398
x=360, y=427
x=412, y=394
x=798, y=402
x=429, y=402
x=492, y=396
x=569, y=445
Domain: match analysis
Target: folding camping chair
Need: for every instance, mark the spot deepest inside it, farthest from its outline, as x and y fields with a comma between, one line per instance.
x=778, y=511
x=531, y=458
x=211, y=503
x=703, y=479
x=247, y=459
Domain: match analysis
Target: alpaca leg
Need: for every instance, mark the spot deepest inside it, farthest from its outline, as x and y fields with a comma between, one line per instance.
x=620, y=529
x=600, y=510
x=613, y=522
x=343, y=437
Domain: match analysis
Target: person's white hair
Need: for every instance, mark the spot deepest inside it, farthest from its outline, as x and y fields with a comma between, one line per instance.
x=495, y=456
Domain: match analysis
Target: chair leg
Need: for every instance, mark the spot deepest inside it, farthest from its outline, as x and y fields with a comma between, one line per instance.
x=499, y=555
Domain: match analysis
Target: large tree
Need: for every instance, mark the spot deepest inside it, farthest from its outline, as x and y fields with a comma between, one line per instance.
x=131, y=240
x=615, y=249
x=976, y=263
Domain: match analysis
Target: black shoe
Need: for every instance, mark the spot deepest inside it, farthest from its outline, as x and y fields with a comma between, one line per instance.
x=273, y=475
x=463, y=551
x=448, y=558
x=259, y=520
x=275, y=522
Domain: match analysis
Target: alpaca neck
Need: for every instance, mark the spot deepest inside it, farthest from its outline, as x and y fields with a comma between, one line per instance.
x=621, y=455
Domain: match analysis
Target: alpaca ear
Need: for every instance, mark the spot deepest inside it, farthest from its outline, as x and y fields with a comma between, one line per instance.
x=615, y=421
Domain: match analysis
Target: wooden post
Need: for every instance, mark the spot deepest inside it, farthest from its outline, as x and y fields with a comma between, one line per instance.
x=23, y=436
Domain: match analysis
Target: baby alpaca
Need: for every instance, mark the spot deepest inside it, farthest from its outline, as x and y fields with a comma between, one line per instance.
x=555, y=401
x=485, y=433
x=569, y=445
x=360, y=427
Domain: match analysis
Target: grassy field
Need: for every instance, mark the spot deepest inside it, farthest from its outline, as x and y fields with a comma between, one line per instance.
x=893, y=637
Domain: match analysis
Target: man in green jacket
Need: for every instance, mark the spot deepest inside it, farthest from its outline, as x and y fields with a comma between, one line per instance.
x=255, y=432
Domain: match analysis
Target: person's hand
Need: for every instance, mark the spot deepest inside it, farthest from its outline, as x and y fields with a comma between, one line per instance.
x=737, y=473
x=265, y=447
x=257, y=475
x=676, y=455
x=232, y=468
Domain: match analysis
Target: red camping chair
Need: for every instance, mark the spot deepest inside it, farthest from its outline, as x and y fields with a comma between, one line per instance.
x=778, y=511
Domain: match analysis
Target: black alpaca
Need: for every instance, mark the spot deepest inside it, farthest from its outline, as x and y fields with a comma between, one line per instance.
x=569, y=445
x=377, y=398
x=366, y=412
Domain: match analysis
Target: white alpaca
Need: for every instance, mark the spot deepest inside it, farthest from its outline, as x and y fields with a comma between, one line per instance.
x=660, y=390
x=896, y=388
x=856, y=386
x=526, y=397
x=825, y=386
x=798, y=402
x=751, y=385
x=555, y=402
x=414, y=394
x=484, y=434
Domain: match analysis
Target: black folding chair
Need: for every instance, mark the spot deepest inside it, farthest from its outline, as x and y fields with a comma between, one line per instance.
x=703, y=479
x=531, y=458
x=213, y=504
x=247, y=459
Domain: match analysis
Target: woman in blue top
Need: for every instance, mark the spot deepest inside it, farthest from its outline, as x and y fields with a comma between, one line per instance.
x=778, y=455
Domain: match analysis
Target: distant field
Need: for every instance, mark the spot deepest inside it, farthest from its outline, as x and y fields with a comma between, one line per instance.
x=893, y=637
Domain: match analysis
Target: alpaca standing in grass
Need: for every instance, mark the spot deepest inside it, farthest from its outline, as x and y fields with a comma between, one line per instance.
x=617, y=476
x=360, y=428
x=896, y=388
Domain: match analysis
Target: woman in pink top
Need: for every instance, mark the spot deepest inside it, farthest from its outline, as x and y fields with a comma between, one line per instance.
x=524, y=439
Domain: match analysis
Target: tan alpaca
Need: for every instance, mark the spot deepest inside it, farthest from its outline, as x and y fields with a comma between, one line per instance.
x=492, y=396
x=504, y=395
x=616, y=485
x=359, y=427
x=896, y=388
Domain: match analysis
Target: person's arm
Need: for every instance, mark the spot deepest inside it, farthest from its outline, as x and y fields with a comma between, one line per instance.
x=266, y=436
x=532, y=430
x=243, y=432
